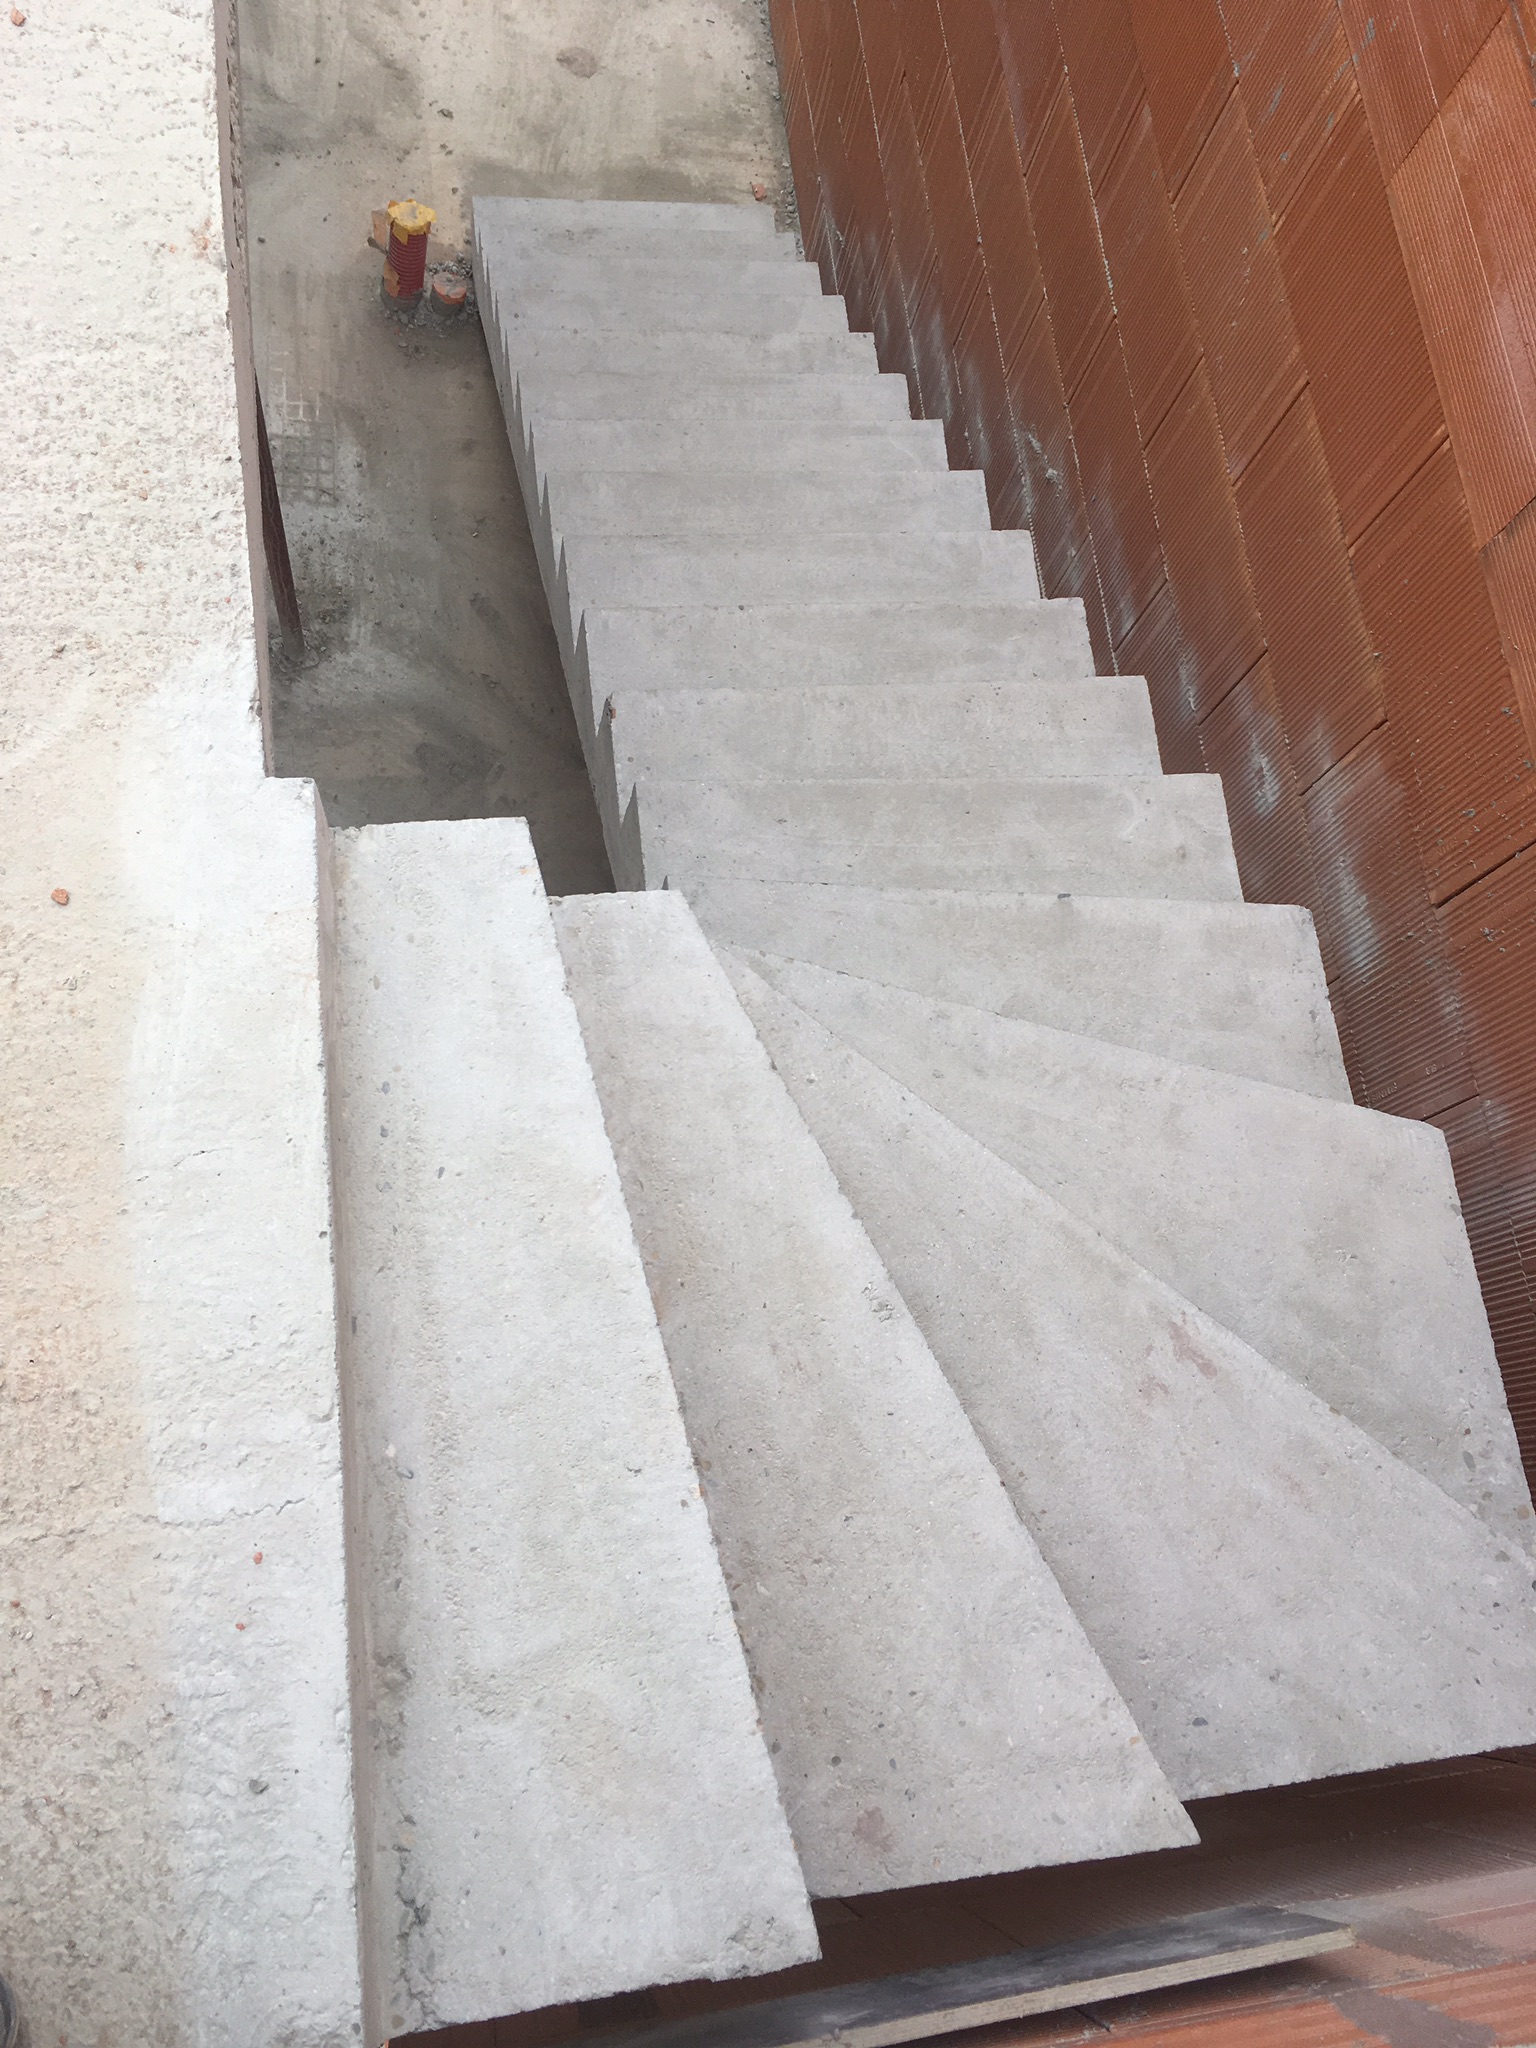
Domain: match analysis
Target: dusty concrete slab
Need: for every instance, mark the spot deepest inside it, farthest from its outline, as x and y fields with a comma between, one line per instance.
x=1327, y=1237
x=1237, y=987
x=930, y=1704
x=1277, y=1597
x=565, y=1793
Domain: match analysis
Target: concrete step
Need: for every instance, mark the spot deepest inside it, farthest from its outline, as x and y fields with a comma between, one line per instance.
x=689, y=355
x=675, y=501
x=689, y=506
x=567, y=1794
x=777, y=447
x=1122, y=835
x=596, y=226
x=1235, y=987
x=520, y=306
x=946, y=568
x=534, y=281
x=908, y=731
x=766, y=447
x=1327, y=1237
x=1276, y=1596
x=1026, y=729
x=806, y=395
x=821, y=645
x=931, y=1707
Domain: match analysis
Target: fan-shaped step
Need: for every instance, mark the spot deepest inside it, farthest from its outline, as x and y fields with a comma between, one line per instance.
x=1327, y=1237
x=1237, y=987
x=1276, y=1596
x=930, y=1704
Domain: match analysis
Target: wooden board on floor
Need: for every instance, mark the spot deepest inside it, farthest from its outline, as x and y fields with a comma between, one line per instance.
x=914, y=2007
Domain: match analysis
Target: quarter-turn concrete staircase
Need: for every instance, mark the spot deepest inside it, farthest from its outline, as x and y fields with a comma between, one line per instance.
x=927, y=1160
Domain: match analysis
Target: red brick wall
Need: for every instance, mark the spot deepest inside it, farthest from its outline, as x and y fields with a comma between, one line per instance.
x=1234, y=301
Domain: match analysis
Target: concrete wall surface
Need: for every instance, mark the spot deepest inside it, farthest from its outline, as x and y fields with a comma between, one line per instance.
x=176, y=1861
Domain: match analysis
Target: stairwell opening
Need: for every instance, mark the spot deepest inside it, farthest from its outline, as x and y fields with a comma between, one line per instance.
x=429, y=684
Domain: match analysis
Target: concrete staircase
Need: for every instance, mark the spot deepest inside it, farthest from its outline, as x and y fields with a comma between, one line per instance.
x=927, y=1160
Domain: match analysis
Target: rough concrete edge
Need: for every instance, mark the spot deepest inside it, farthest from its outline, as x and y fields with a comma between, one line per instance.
x=227, y=112
x=374, y=1991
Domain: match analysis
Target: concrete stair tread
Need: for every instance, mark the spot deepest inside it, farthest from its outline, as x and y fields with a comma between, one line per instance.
x=842, y=446
x=770, y=647
x=1187, y=1494
x=951, y=730
x=542, y=1613
x=604, y=221
x=713, y=570
x=1327, y=1237
x=537, y=276
x=1236, y=987
x=703, y=500
x=1126, y=835
x=838, y=642
x=890, y=1602
x=845, y=354
x=710, y=394
x=739, y=311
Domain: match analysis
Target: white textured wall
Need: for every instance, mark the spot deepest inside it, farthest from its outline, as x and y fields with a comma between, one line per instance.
x=175, y=1829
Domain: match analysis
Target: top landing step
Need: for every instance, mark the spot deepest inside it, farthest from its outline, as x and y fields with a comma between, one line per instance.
x=632, y=226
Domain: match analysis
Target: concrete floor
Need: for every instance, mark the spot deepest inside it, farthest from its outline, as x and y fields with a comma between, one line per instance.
x=431, y=686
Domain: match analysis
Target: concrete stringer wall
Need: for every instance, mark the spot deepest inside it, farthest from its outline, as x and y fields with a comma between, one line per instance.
x=1233, y=304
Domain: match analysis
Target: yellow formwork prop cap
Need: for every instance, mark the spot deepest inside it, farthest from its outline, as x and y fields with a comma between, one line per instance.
x=409, y=218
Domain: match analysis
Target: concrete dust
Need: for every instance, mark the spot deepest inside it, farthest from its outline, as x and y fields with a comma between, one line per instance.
x=431, y=685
